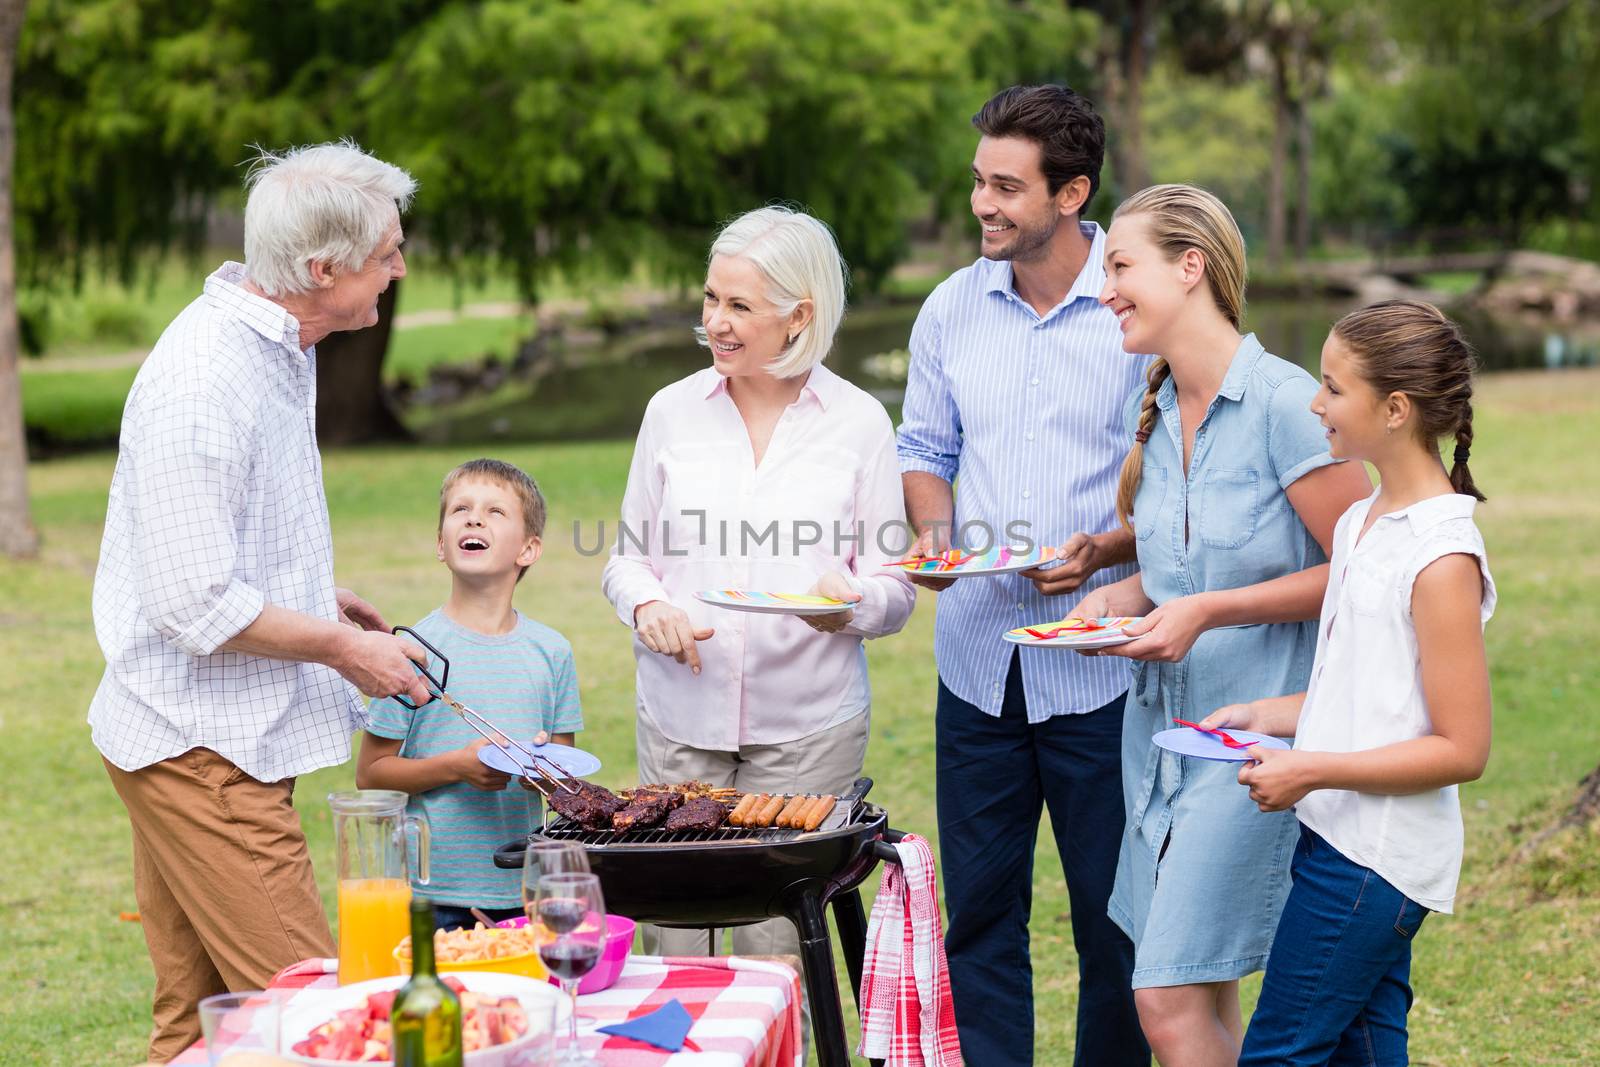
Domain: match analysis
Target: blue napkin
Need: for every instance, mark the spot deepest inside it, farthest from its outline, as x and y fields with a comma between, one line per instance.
x=666, y=1027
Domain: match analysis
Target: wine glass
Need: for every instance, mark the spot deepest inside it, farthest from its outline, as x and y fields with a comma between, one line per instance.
x=571, y=913
x=548, y=856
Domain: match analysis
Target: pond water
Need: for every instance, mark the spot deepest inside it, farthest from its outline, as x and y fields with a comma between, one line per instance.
x=601, y=392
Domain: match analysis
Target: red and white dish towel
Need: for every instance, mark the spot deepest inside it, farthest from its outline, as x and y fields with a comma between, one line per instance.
x=908, y=1018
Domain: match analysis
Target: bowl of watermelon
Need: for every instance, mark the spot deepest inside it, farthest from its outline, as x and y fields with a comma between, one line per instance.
x=507, y=1020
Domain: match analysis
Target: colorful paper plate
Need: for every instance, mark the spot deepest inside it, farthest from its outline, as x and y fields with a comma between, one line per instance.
x=958, y=564
x=1073, y=633
x=772, y=603
x=1187, y=741
x=575, y=761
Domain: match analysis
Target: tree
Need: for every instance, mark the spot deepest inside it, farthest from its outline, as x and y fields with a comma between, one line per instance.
x=1299, y=37
x=1123, y=51
x=577, y=138
x=17, y=535
x=136, y=116
x=557, y=137
x=1500, y=131
x=1291, y=43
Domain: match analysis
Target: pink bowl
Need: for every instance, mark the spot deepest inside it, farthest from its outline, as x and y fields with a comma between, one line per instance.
x=613, y=954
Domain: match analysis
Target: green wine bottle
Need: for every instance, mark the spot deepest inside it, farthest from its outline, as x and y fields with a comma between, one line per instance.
x=426, y=1017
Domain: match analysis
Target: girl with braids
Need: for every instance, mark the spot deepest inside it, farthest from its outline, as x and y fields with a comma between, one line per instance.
x=1398, y=710
x=1232, y=497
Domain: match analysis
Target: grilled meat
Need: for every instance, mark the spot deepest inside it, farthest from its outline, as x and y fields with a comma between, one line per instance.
x=591, y=808
x=645, y=809
x=700, y=813
x=695, y=788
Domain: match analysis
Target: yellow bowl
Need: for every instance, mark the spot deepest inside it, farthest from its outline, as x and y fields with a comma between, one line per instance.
x=527, y=963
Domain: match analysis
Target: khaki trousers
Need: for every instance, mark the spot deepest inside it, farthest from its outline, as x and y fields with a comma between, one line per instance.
x=828, y=761
x=223, y=879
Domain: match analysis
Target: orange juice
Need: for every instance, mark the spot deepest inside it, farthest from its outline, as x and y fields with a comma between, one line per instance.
x=373, y=916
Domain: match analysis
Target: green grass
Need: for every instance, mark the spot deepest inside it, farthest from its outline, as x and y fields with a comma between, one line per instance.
x=1509, y=979
x=1453, y=282
x=413, y=350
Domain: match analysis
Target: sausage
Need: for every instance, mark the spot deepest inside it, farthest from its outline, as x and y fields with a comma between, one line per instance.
x=751, y=817
x=746, y=803
x=819, y=811
x=797, y=821
x=767, y=812
x=786, y=816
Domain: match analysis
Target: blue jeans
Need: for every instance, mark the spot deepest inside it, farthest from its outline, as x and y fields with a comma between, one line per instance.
x=994, y=777
x=450, y=917
x=1338, y=984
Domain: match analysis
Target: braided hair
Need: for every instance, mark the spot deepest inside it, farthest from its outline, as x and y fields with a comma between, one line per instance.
x=1411, y=347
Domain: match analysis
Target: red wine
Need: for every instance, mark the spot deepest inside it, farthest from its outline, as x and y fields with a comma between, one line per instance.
x=562, y=915
x=569, y=958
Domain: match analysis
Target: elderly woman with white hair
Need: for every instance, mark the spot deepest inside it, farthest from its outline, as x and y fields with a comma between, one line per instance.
x=762, y=472
x=228, y=670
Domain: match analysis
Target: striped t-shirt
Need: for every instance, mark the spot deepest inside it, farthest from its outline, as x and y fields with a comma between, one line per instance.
x=523, y=682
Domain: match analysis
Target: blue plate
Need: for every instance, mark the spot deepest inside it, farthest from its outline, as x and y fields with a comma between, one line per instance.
x=1187, y=741
x=576, y=761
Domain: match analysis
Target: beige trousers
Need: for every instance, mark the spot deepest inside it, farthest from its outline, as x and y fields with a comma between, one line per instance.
x=224, y=884
x=828, y=761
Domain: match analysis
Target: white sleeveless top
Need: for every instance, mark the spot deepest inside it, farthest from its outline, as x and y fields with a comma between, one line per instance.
x=1366, y=692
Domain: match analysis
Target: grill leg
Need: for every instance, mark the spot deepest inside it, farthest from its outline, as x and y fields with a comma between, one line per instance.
x=850, y=916
x=822, y=983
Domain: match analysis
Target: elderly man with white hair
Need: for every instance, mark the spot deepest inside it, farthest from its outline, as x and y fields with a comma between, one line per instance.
x=232, y=660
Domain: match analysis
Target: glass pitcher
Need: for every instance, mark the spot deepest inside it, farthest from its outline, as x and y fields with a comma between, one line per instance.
x=381, y=851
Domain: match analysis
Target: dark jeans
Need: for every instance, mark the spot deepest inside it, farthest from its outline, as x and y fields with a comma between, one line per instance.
x=995, y=776
x=450, y=917
x=1338, y=983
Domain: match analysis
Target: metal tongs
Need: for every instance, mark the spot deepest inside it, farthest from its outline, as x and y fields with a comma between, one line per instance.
x=489, y=731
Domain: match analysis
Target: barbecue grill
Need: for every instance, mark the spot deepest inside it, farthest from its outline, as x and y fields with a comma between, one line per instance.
x=736, y=875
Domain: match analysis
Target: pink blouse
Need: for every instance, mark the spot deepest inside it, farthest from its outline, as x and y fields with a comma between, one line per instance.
x=699, y=515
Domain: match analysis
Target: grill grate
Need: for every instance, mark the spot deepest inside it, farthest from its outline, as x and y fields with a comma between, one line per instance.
x=563, y=829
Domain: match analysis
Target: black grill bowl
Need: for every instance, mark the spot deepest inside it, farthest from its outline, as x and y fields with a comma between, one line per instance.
x=727, y=881
x=730, y=877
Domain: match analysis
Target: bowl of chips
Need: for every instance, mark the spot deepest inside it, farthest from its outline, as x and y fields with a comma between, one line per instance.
x=505, y=949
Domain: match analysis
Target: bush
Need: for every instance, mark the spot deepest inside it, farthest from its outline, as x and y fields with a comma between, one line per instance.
x=117, y=323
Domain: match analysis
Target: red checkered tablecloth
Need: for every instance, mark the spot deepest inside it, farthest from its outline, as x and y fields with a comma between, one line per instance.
x=746, y=1012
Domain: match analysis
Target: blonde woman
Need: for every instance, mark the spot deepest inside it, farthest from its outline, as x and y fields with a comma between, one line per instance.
x=764, y=471
x=1232, y=496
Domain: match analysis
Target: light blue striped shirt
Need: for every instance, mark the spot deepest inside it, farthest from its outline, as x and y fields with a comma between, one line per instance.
x=1027, y=409
x=523, y=681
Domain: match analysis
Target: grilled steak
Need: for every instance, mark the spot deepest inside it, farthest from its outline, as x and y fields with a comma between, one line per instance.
x=592, y=808
x=646, y=809
x=701, y=813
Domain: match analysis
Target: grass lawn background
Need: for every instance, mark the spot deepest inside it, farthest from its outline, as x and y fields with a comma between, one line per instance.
x=1511, y=978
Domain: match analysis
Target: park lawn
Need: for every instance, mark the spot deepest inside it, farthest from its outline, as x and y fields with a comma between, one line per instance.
x=414, y=350
x=1509, y=979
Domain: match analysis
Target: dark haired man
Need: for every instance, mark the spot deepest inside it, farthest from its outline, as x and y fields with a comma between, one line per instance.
x=1018, y=383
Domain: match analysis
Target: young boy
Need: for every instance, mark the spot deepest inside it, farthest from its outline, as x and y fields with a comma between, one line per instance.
x=516, y=672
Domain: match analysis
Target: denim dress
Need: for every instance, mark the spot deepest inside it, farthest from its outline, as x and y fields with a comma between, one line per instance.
x=1203, y=873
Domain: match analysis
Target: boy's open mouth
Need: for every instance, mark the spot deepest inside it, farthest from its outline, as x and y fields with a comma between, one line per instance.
x=473, y=543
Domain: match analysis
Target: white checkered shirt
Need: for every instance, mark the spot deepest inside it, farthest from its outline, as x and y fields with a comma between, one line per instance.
x=216, y=509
